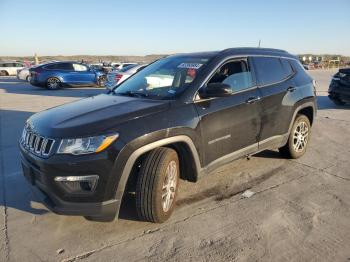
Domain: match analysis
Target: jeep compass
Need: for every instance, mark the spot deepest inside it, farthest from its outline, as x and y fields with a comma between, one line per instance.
x=179, y=118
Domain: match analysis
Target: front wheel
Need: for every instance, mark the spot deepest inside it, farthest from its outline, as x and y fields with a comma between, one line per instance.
x=157, y=185
x=298, y=138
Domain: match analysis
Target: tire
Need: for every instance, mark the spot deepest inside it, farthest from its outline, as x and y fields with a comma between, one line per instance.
x=53, y=83
x=28, y=78
x=298, y=139
x=157, y=185
x=4, y=73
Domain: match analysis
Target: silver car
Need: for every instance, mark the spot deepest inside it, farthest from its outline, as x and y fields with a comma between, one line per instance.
x=116, y=77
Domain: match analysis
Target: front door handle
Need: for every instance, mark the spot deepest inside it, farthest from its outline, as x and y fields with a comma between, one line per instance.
x=252, y=100
x=291, y=89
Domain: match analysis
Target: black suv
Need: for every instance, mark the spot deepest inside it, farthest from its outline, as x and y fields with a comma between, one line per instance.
x=180, y=117
x=339, y=89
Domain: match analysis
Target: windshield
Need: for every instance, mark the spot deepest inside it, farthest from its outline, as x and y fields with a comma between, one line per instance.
x=164, y=79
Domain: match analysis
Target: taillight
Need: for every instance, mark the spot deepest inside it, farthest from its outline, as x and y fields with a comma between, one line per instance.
x=118, y=77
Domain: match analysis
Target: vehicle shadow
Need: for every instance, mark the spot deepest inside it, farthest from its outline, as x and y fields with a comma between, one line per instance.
x=323, y=102
x=269, y=154
x=15, y=191
x=15, y=86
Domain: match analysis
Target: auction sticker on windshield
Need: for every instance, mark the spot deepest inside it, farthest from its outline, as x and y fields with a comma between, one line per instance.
x=190, y=65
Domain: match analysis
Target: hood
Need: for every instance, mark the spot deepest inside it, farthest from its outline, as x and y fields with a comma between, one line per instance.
x=92, y=116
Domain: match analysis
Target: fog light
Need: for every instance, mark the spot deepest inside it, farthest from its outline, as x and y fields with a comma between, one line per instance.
x=78, y=184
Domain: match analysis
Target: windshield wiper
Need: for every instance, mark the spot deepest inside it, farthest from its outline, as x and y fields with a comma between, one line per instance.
x=133, y=94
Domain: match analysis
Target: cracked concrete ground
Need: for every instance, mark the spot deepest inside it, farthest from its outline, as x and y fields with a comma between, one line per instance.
x=300, y=210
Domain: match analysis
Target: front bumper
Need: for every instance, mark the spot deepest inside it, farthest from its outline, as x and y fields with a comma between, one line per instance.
x=41, y=173
x=340, y=90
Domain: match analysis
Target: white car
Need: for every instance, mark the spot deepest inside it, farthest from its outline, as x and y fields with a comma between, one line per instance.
x=120, y=66
x=24, y=74
x=116, y=77
x=10, y=68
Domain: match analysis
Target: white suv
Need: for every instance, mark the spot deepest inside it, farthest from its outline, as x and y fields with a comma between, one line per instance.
x=10, y=68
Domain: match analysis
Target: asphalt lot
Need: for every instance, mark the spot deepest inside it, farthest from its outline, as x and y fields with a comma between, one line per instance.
x=300, y=210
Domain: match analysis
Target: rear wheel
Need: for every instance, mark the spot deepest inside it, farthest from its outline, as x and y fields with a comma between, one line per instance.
x=53, y=83
x=4, y=73
x=157, y=185
x=298, y=138
x=28, y=78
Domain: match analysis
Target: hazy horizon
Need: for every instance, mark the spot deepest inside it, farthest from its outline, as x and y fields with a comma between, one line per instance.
x=139, y=28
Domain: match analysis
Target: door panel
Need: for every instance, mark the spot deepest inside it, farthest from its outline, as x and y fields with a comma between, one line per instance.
x=276, y=87
x=228, y=124
x=80, y=75
x=277, y=109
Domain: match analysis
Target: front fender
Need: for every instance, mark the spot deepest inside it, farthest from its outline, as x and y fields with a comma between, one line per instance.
x=132, y=155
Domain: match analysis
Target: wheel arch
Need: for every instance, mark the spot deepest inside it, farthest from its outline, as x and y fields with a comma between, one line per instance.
x=55, y=76
x=5, y=71
x=182, y=144
x=306, y=108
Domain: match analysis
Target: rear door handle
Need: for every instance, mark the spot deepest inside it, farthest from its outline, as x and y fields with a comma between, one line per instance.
x=291, y=89
x=252, y=100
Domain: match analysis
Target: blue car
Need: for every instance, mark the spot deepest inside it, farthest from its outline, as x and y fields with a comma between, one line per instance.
x=60, y=74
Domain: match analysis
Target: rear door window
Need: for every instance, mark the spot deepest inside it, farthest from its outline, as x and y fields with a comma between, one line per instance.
x=269, y=70
x=287, y=67
x=65, y=66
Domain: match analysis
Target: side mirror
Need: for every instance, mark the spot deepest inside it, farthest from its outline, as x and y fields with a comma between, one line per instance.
x=216, y=90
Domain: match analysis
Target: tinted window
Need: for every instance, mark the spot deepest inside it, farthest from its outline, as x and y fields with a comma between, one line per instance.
x=269, y=70
x=236, y=74
x=65, y=66
x=59, y=66
x=287, y=67
x=51, y=67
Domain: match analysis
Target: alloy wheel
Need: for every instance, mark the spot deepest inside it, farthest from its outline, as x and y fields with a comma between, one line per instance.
x=169, y=186
x=53, y=83
x=300, y=137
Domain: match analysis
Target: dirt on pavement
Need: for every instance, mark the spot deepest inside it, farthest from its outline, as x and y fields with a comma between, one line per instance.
x=299, y=211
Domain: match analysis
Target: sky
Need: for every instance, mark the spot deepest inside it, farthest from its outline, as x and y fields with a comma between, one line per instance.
x=140, y=27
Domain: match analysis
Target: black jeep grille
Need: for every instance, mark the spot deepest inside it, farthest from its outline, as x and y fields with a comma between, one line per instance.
x=37, y=144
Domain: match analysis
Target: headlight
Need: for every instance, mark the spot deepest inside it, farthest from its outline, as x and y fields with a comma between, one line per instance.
x=86, y=145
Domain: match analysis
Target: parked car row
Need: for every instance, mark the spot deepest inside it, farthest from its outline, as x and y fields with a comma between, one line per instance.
x=56, y=74
x=116, y=77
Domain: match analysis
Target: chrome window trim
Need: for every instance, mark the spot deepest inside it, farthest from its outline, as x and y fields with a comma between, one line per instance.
x=224, y=60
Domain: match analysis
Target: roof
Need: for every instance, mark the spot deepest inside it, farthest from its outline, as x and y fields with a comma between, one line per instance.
x=242, y=51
